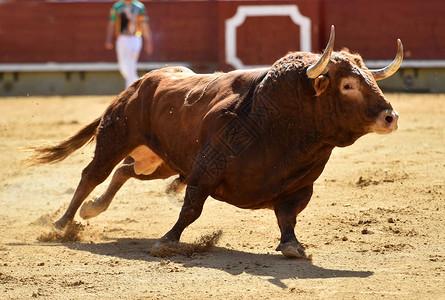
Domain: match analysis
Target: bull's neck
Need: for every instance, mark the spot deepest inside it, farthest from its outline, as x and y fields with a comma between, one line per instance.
x=291, y=133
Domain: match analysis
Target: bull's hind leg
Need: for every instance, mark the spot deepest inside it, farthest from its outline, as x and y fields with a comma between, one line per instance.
x=125, y=171
x=110, y=150
x=94, y=174
x=91, y=208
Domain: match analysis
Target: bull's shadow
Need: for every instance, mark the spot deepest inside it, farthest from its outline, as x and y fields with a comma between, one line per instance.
x=231, y=261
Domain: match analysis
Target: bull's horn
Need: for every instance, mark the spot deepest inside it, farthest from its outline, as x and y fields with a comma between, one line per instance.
x=318, y=68
x=392, y=67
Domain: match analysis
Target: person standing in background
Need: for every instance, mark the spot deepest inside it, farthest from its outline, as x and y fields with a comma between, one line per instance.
x=129, y=23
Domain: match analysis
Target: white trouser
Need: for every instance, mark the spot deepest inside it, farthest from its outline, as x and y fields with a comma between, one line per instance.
x=128, y=49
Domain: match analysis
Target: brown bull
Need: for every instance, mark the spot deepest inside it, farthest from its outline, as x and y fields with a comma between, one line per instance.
x=254, y=139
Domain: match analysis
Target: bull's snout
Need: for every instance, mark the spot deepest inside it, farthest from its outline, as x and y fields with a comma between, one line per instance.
x=386, y=122
x=391, y=118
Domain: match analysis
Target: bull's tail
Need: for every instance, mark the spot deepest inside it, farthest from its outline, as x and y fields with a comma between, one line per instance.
x=56, y=153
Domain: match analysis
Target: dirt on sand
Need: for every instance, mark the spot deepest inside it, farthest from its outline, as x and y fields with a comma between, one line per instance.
x=374, y=227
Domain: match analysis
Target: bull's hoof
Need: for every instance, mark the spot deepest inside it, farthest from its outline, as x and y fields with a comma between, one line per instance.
x=163, y=248
x=89, y=210
x=292, y=250
x=60, y=224
x=157, y=246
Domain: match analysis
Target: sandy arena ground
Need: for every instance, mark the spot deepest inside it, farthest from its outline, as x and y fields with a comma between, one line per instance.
x=375, y=225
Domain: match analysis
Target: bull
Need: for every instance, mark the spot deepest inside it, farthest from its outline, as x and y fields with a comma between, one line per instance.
x=252, y=138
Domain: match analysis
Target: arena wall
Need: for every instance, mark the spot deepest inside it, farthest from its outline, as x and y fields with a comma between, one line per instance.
x=59, y=43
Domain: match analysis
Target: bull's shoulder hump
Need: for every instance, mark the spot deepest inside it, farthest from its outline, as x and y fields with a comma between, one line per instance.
x=248, y=72
x=247, y=75
x=177, y=69
x=169, y=73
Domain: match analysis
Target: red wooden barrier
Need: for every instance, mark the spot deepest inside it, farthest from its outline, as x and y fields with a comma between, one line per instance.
x=195, y=31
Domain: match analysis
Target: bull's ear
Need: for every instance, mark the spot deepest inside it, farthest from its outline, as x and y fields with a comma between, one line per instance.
x=321, y=84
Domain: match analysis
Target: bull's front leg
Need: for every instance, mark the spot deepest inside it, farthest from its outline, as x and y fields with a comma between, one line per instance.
x=205, y=175
x=191, y=210
x=286, y=212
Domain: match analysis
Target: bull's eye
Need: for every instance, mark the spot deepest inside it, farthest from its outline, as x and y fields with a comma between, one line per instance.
x=349, y=85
